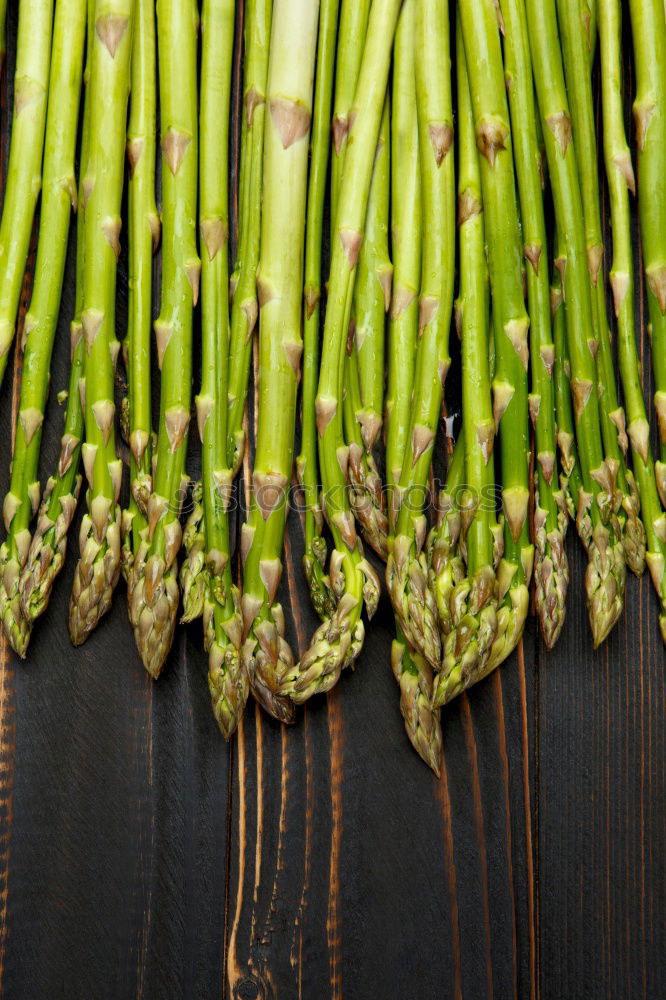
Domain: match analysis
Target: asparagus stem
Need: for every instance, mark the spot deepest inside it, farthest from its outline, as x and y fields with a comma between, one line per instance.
x=413, y=674
x=577, y=74
x=227, y=678
x=24, y=173
x=153, y=588
x=406, y=570
x=620, y=175
x=493, y=138
x=446, y=565
x=339, y=639
x=372, y=293
x=98, y=568
x=48, y=547
x=606, y=573
x=648, y=25
x=144, y=234
x=245, y=309
x=280, y=278
x=365, y=492
x=551, y=570
x=406, y=225
x=39, y=326
x=351, y=40
x=571, y=482
x=193, y=575
x=472, y=601
x=314, y=557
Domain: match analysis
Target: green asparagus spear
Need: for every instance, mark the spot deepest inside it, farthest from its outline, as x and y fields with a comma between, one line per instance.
x=280, y=279
x=153, y=586
x=39, y=327
x=620, y=174
x=24, y=173
x=98, y=568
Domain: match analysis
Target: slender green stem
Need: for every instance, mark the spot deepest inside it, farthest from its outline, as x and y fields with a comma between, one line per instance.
x=39, y=326
x=227, y=678
x=245, y=308
x=648, y=25
x=406, y=571
x=49, y=542
x=144, y=232
x=472, y=601
x=98, y=568
x=280, y=280
x=24, y=172
x=620, y=175
x=314, y=558
x=579, y=90
x=338, y=641
x=551, y=571
x=406, y=225
x=493, y=138
x=571, y=482
x=605, y=578
x=153, y=588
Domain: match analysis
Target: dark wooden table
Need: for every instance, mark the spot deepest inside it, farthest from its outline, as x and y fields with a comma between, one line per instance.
x=142, y=856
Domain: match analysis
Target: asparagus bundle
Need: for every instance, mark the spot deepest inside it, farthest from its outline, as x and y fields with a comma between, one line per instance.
x=613, y=423
x=493, y=138
x=227, y=679
x=153, y=585
x=406, y=568
x=24, y=172
x=648, y=25
x=280, y=280
x=245, y=308
x=39, y=326
x=597, y=525
x=99, y=564
x=472, y=601
x=307, y=464
x=619, y=172
x=551, y=570
x=339, y=639
x=144, y=234
x=411, y=670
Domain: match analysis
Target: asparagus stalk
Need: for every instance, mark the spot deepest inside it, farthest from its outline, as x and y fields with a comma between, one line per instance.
x=472, y=601
x=648, y=25
x=577, y=74
x=606, y=572
x=413, y=674
x=620, y=174
x=280, y=277
x=446, y=564
x=39, y=326
x=307, y=464
x=339, y=639
x=406, y=570
x=48, y=547
x=24, y=173
x=193, y=575
x=372, y=294
x=153, y=587
x=351, y=39
x=227, y=679
x=365, y=488
x=406, y=225
x=493, y=138
x=551, y=570
x=245, y=308
x=98, y=568
x=144, y=234
x=570, y=476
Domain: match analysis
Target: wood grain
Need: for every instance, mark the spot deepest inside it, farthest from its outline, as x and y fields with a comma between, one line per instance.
x=140, y=856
